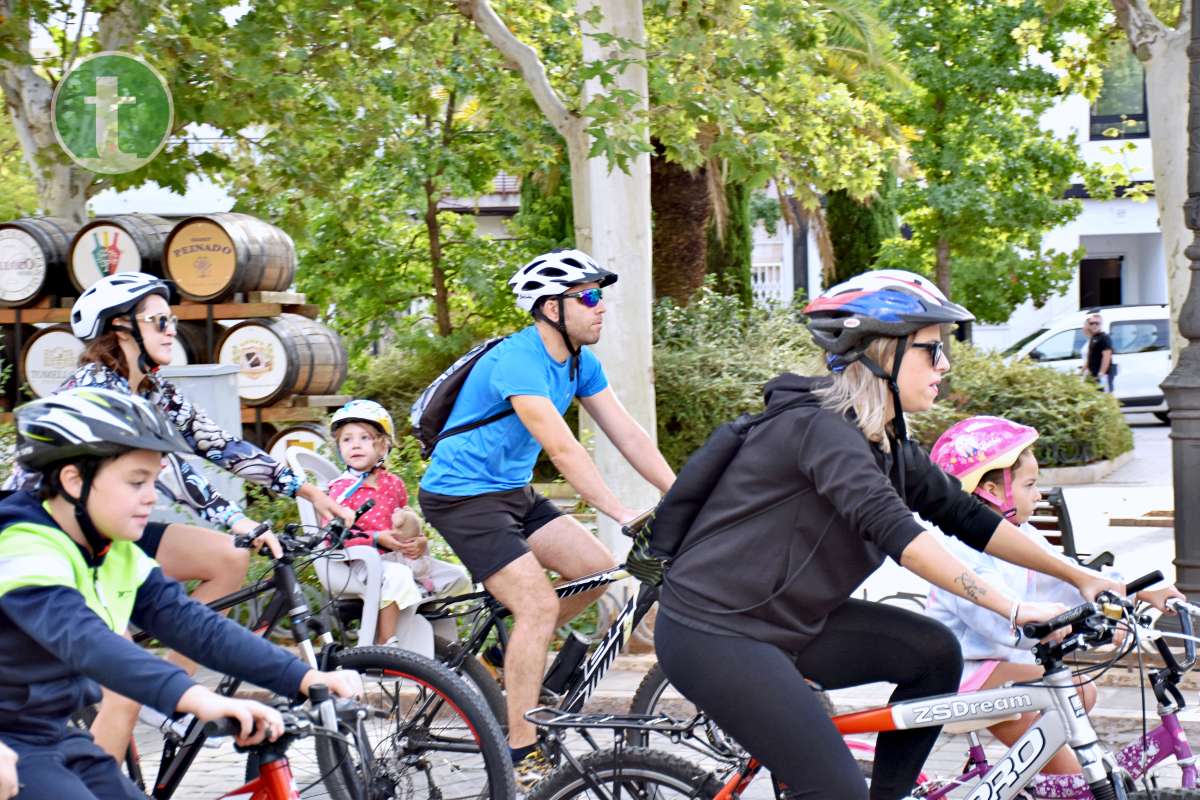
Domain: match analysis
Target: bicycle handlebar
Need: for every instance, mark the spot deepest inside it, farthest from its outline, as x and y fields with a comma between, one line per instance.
x=1186, y=611
x=635, y=525
x=291, y=542
x=1040, y=630
x=1147, y=580
x=297, y=720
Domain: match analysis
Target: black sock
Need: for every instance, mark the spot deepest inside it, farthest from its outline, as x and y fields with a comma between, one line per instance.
x=519, y=753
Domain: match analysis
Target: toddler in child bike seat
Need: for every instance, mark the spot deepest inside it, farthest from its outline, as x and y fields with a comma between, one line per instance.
x=993, y=459
x=363, y=431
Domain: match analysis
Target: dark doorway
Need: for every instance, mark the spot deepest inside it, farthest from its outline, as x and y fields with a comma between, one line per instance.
x=1100, y=282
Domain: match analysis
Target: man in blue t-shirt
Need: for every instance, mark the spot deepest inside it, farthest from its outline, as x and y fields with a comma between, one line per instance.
x=477, y=490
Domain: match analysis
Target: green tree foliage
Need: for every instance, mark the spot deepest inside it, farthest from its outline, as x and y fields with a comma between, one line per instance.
x=546, y=220
x=988, y=182
x=19, y=198
x=730, y=247
x=370, y=132
x=711, y=360
x=858, y=229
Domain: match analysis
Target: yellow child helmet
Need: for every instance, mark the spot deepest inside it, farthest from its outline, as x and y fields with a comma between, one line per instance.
x=364, y=411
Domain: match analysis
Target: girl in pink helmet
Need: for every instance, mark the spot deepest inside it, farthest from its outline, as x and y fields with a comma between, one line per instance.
x=993, y=458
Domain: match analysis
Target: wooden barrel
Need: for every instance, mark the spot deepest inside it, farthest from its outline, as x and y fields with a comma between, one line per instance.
x=121, y=243
x=191, y=344
x=10, y=388
x=259, y=435
x=33, y=259
x=309, y=435
x=49, y=358
x=283, y=355
x=212, y=257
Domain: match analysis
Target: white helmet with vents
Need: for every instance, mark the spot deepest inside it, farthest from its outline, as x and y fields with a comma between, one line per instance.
x=553, y=273
x=110, y=297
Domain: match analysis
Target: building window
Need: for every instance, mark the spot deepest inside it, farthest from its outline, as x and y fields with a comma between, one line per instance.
x=1120, y=110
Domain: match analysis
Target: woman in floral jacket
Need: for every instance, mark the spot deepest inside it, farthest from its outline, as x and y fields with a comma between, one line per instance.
x=127, y=324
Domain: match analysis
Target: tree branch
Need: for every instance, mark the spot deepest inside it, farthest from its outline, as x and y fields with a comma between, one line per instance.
x=118, y=27
x=83, y=12
x=1140, y=24
x=526, y=60
x=1185, y=16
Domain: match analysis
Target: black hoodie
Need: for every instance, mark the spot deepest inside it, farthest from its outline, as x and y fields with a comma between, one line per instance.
x=805, y=512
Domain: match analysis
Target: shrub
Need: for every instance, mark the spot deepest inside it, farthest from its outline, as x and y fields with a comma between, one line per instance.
x=1078, y=423
x=711, y=360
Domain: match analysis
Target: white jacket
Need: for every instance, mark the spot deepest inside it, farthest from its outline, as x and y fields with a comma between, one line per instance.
x=985, y=635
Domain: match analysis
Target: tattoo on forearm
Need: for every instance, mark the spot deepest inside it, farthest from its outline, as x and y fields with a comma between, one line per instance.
x=971, y=586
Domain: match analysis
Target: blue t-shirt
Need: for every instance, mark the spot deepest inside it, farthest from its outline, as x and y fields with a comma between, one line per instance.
x=500, y=456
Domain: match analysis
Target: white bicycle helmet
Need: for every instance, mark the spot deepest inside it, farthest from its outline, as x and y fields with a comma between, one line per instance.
x=553, y=273
x=111, y=297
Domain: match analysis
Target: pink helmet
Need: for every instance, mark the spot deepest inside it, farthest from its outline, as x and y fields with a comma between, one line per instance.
x=975, y=446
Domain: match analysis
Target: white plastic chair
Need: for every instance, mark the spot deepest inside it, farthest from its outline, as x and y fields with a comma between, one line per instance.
x=414, y=632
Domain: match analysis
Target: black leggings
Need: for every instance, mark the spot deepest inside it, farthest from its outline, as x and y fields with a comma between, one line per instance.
x=757, y=694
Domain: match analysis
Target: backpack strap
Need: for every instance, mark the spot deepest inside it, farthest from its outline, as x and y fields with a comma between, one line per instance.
x=470, y=426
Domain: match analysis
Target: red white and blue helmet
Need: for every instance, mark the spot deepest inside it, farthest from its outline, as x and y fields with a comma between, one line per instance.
x=846, y=318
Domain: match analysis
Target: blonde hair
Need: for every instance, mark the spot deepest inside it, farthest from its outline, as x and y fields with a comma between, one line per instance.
x=858, y=389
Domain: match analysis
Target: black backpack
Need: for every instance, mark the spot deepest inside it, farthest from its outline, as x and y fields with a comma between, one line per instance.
x=658, y=539
x=432, y=409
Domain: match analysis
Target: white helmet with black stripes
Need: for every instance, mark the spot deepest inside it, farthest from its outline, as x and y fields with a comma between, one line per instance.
x=553, y=273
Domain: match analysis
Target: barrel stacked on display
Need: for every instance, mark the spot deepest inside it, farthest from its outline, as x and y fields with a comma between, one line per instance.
x=282, y=356
x=232, y=270
x=33, y=259
x=122, y=243
x=213, y=257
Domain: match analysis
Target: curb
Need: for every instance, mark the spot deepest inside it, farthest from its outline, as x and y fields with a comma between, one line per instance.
x=1088, y=473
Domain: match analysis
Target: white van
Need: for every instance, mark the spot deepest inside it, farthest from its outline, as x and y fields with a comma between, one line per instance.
x=1141, y=350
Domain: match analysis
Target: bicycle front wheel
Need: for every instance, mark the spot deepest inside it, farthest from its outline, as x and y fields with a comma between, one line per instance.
x=433, y=736
x=635, y=771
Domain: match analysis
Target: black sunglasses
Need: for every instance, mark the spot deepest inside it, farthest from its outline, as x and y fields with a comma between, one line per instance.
x=589, y=297
x=935, y=350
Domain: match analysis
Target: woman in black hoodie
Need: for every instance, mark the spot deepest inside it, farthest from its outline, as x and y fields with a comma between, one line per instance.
x=758, y=597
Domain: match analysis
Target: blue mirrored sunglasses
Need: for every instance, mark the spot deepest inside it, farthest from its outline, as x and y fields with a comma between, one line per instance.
x=589, y=297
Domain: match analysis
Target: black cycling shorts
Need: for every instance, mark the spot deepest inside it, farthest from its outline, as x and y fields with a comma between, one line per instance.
x=487, y=531
x=152, y=538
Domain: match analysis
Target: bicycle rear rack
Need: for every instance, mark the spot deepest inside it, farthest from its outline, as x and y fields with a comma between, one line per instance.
x=549, y=717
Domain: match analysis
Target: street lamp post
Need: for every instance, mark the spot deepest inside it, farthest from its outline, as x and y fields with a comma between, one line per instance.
x=1182, y=386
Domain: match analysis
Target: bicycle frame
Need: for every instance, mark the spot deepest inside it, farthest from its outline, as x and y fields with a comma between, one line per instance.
x=1062, y=721
x=288, y=602
x=274, y=782
x=585, y=679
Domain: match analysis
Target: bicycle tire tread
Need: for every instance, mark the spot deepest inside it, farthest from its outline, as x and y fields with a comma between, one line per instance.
x=566, y=781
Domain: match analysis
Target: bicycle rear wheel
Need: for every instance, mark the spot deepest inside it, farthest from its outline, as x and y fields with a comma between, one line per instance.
x=435, y=737
x=638, y=772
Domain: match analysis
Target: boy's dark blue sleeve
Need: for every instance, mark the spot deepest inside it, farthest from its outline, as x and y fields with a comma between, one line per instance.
x=206, y=637
x=58, y=618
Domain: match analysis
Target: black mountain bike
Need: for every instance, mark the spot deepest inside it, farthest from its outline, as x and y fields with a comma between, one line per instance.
x=430, y=735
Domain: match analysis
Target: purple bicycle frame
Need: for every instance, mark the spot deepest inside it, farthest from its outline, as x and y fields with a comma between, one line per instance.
x=1136, y=758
